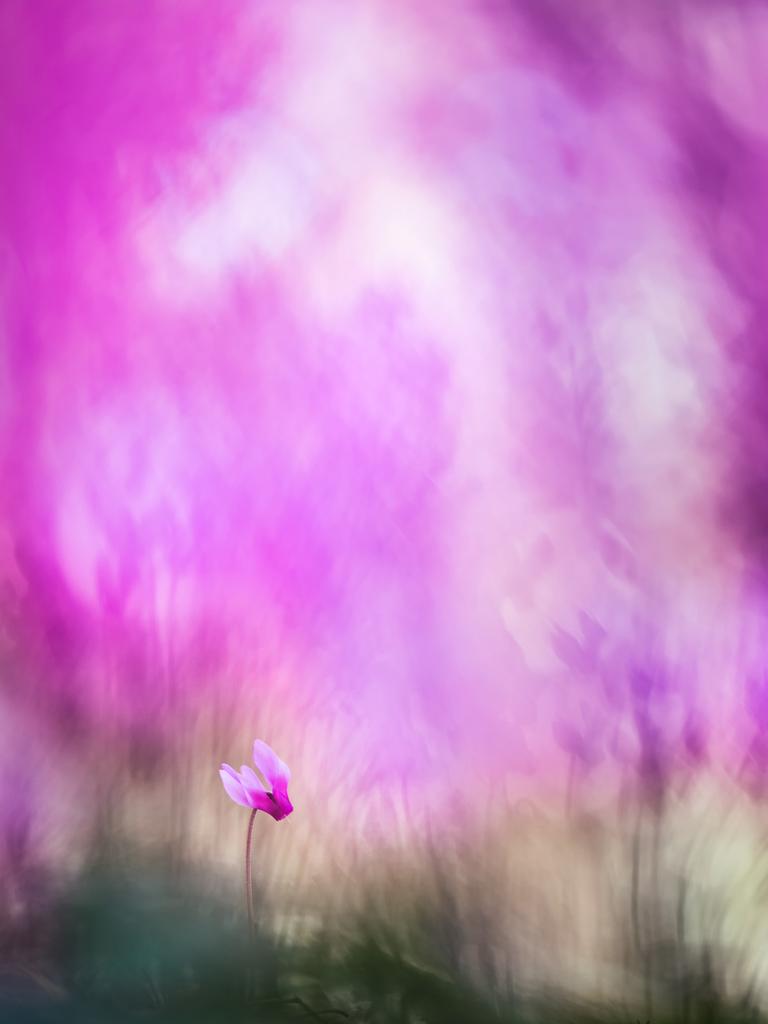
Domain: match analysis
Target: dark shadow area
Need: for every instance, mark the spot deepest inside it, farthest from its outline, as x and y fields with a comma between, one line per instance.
x=146, y=944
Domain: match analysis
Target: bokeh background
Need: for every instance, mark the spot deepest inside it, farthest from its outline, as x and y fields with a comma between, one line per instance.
x=389, y=380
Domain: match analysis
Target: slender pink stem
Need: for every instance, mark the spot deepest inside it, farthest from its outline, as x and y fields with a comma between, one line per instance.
x=249, y=873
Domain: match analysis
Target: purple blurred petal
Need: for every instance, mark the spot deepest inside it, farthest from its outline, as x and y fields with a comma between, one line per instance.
x=592, y=632
x=570, y=652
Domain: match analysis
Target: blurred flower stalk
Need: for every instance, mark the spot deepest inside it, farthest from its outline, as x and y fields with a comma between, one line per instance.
x=247, y=789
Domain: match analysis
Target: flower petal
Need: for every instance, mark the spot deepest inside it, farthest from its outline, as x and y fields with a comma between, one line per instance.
x=250, y=779
x=282, y=806
x=275, y=771
x=233, y=785
x=258, y=797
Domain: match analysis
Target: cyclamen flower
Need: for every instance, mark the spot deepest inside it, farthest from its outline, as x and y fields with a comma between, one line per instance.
x=246, y=788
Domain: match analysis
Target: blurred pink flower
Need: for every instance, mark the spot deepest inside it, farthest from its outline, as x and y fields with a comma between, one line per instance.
x=246, y=788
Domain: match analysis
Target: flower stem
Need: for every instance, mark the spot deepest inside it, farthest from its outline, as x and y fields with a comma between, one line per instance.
x=249, y=873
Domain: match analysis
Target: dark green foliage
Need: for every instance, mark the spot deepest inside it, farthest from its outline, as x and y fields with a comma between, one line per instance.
x=142, y=946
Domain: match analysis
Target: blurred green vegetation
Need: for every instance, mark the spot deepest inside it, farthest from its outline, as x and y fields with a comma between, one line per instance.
x=152, y=945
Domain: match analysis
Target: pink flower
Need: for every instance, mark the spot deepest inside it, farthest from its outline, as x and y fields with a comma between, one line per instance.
x=246, y=788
